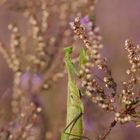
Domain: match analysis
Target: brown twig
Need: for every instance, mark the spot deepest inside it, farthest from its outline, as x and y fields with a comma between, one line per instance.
x=107, y=131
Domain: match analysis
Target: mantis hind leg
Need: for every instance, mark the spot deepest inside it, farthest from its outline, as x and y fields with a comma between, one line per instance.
x=73, y=123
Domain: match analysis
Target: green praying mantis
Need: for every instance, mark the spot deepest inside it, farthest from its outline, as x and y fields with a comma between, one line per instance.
x=75, y=109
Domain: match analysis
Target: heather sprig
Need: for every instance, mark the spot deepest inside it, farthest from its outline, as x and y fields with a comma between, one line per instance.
x=92, y=44
x=130, y=93
x=95, y=86
x=40, y=50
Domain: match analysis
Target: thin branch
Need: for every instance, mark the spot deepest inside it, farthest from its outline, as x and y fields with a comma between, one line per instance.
x=107, y=131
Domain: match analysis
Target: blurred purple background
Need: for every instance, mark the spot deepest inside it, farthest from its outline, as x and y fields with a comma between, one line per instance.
x=118, y=20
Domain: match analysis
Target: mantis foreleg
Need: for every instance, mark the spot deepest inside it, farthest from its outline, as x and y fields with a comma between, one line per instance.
x=72, y=123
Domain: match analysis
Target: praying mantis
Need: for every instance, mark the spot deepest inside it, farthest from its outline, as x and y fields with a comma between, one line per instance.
x=75, y=109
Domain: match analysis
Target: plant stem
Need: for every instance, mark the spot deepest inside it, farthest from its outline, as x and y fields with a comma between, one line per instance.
x=107, y=131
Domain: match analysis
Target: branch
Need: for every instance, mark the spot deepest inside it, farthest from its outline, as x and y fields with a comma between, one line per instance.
x=107, y=131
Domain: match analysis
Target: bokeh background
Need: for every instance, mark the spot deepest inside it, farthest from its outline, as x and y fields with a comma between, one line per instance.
x=118, y=20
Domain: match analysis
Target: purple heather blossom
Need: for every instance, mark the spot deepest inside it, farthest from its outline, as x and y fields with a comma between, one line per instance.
x=85, y=20
x=36, y=81
x=25, y=80
x=28, y=77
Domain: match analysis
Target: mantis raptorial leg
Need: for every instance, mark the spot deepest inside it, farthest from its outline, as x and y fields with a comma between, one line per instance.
x=74, y=125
